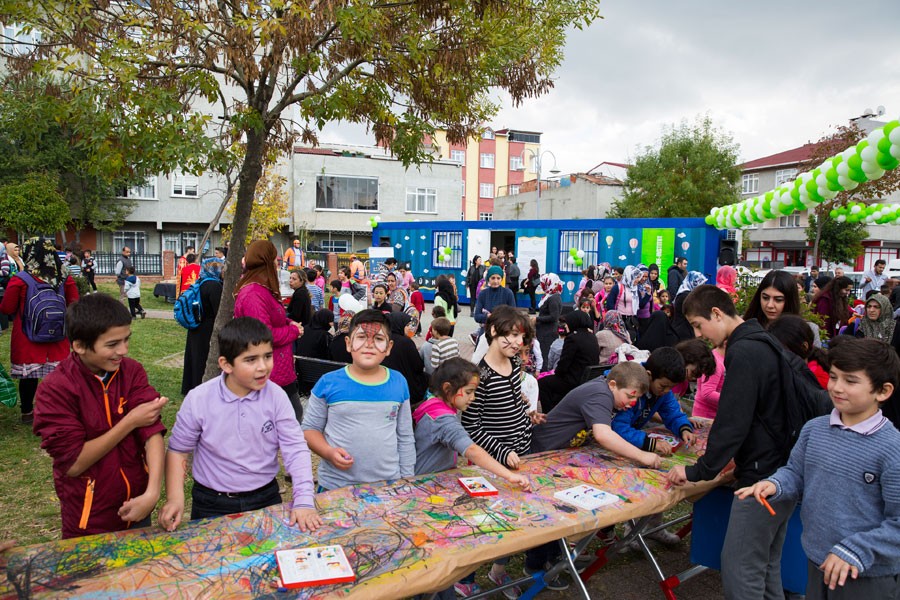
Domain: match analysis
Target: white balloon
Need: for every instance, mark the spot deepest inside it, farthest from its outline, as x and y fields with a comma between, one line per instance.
x=843, y=168
x=877, y=214
x=571, y=260
x=349, y=303
x=870, y=168
x=851, y=151
x=821, y=181
x=580, y=254
x=841, y=218
x=440, y=249
x=895, y=149
x=875, y=137
x=894, y=136
x=870, y=218
x=868, y=154
x=855, y=209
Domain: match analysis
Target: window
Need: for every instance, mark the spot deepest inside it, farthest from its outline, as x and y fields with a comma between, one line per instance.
x=750, y=183
x=488, y=134
x=340, y=192
x=789, y=221
x=486, y=190
x=335, y=245
x=513, y=190
x=534, y=164
x=136, y=240
x=581, y=240
x=516, y=163
x=140, y=192
x=783, y=176
x=487, y=160
x=185, y=186
x=421, y=200
x=447, y=239
x=459, y=156
x=485, y=216
x=18, y=42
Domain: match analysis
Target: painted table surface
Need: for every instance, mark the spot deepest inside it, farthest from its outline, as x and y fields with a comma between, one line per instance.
x=402, y=537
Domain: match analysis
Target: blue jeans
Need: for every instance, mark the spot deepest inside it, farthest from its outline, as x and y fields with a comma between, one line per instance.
x=208, y=503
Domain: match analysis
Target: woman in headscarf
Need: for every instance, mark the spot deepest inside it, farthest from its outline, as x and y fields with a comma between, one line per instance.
x=878, y=321
x=645, y=298
x=547, y=322
x=613, y=335
x=680, y=325
x=580, y=350
x=405, y=358
x=259, y=296
x=726, y=278
x=396, y=294
x=317, y=337
x=530, y=285
x=445, y=297
x=653, y=277
x=196, y=347
x=300, y=308
x=32, y=361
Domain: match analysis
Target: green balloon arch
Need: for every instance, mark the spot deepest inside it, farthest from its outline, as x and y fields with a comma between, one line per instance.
x=868, y=160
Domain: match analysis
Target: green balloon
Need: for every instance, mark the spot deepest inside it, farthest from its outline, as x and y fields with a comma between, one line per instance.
x=710, y=220
x=573, y=252
x=886, y=161
x=578, y=262
x=856, y=174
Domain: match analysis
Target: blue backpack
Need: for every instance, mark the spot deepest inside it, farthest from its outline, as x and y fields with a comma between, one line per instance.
x=44, y=315
x=188, y=308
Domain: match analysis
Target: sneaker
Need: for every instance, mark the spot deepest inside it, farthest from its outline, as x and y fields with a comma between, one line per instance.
x=665, y=537
x=474, y=338
x=28, y=418
x=464, y=590
x=556, y=583
x=143, y=314
x=511, y=592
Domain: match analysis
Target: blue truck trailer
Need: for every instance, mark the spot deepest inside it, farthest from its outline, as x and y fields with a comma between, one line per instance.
x=424, y=246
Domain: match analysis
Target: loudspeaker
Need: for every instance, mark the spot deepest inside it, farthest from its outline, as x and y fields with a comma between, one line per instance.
x=728, y=252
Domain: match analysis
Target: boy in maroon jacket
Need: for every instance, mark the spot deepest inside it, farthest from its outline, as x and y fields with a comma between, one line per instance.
x=98, y=419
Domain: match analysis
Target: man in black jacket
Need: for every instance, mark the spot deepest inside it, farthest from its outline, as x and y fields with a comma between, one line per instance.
x=750, y=428
x=675, y=275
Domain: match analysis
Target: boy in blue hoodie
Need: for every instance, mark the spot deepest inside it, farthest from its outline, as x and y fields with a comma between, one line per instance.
x=666, y=369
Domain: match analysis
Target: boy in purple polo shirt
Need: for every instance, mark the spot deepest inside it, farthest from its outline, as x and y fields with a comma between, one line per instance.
x=235, y=425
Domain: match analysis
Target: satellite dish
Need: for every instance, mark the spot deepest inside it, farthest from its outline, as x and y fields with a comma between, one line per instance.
x=868, y=112
x=879, y=111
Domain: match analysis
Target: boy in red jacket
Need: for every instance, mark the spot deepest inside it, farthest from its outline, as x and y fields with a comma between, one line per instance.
x=98, y=419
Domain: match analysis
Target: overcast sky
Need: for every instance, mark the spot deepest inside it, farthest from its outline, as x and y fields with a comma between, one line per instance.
x=775, y=74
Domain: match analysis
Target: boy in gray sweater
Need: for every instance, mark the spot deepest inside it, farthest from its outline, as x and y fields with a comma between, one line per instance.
x=846, y=468
x=358, y=419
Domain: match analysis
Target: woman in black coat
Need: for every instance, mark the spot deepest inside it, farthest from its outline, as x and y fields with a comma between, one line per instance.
x=547, y=322
x=299, y=310
x=580, y=350
x=316, y=338
x=196, y=348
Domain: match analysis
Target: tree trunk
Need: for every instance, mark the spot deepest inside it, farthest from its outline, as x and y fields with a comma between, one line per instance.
x=251, y=171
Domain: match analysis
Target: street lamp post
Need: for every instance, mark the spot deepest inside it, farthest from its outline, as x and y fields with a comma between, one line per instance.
x=538, y=158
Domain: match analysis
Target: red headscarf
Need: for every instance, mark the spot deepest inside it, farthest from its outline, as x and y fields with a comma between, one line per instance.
x=726, y=277
x=260, y=264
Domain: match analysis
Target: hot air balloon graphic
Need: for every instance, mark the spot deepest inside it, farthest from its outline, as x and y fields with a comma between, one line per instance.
x=633, y=244
x=685, y=246
x=609, y=241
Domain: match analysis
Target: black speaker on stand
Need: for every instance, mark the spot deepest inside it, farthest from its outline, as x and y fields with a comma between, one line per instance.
x=728, y=252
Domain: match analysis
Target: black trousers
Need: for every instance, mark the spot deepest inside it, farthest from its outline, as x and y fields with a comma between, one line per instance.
x=206, y=503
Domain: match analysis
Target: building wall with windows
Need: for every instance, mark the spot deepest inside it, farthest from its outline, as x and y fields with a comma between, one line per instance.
x=335, y=190
x=494, y=165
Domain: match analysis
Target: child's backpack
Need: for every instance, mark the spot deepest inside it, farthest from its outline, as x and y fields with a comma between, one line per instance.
x=803, y=397
x=188, y=308
x=44, y=315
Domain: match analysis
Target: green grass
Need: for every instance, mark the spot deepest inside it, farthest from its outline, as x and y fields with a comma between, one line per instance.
x=29, y=508
x=148, y=300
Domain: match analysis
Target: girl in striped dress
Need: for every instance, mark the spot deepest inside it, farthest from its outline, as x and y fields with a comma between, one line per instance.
x=497, y=420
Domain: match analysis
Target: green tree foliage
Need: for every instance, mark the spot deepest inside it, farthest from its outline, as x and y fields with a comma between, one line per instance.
x=837, y=242
x=691, y=170
x=33, y=204
x=403, y=68
x=843, y=137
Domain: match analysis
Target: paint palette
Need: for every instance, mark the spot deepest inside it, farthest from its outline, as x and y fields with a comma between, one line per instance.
x=586, y=497
x=308, y=567
x=478, y=486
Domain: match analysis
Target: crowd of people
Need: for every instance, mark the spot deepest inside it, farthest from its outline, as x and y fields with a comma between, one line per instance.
x=674, y=348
